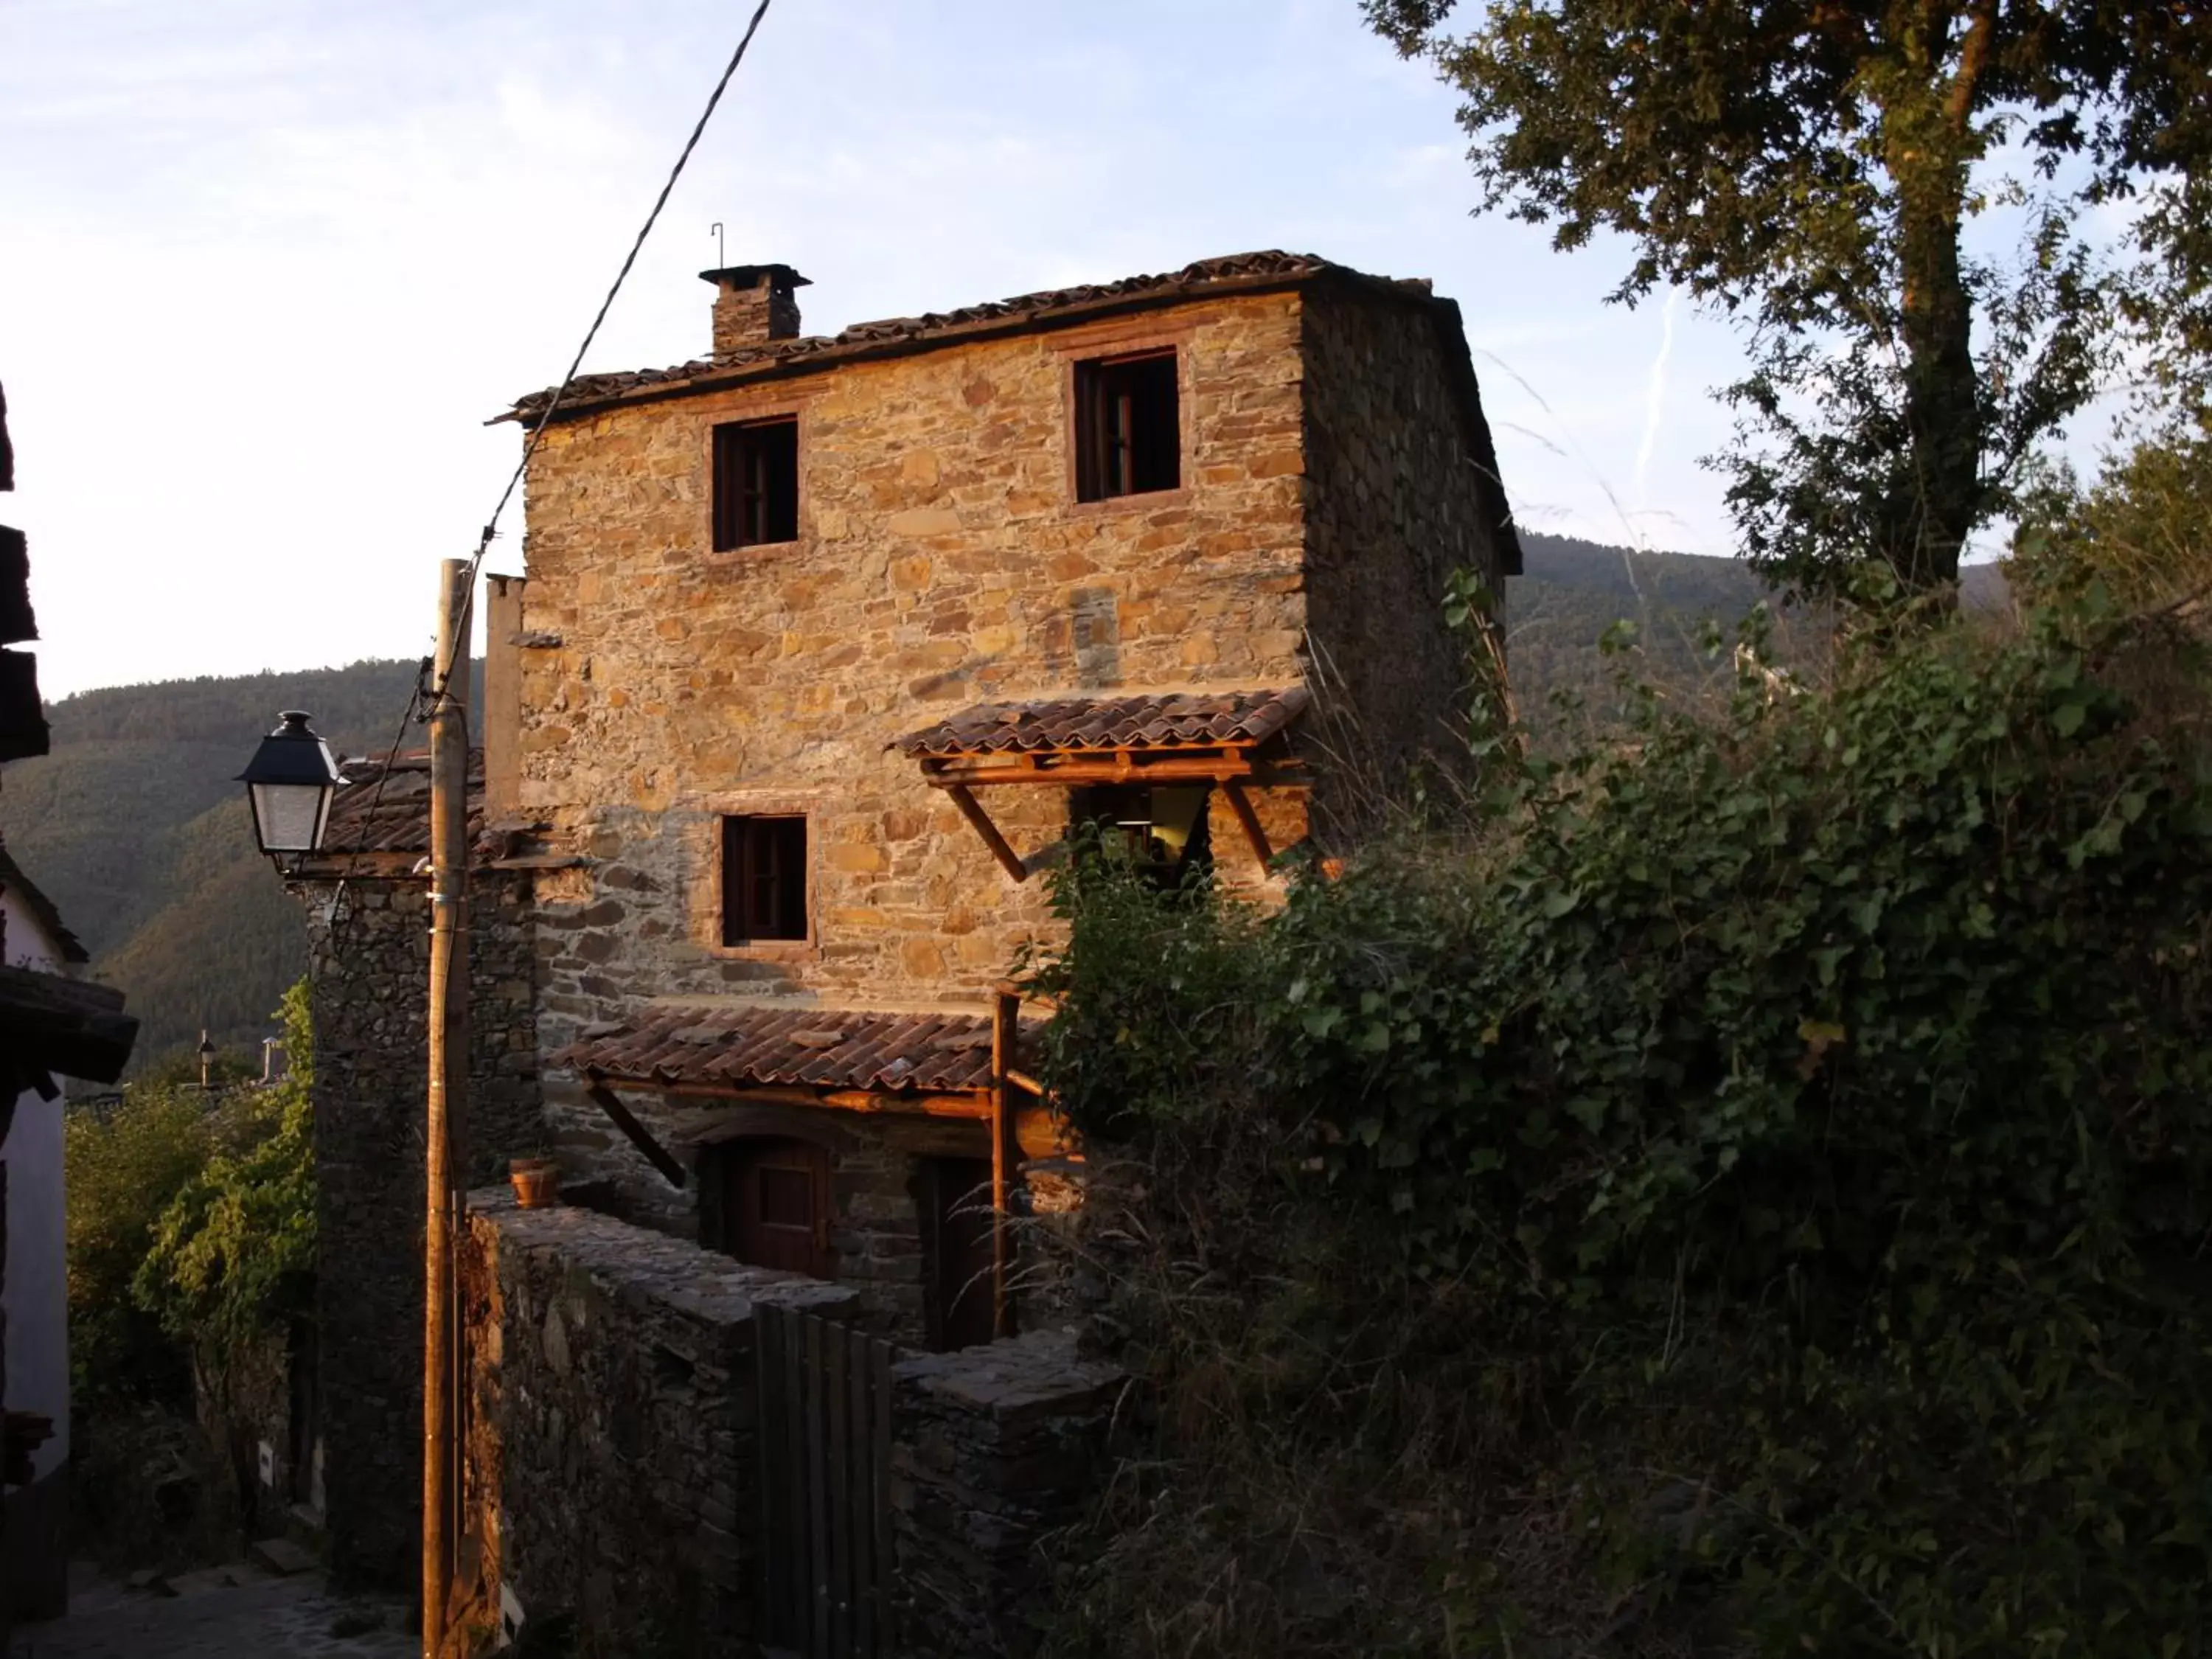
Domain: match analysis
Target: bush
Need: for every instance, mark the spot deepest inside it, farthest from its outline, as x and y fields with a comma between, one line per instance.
x=1747, y=1190
x=231, y=1261
x=122, y=1167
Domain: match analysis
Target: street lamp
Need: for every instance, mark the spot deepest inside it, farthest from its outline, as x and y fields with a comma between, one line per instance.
x=290, y=782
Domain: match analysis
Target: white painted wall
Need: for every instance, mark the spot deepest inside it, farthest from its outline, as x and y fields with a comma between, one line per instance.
x=36, y=1299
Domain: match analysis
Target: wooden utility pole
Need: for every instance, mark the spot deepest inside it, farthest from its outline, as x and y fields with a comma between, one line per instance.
x=448, y=1024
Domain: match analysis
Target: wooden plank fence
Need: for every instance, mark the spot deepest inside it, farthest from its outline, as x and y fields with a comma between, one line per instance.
x=825, y=1448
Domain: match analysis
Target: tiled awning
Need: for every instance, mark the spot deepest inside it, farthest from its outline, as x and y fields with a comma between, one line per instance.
x=703, y=1048
x=1226, y=738
x=1105, y=725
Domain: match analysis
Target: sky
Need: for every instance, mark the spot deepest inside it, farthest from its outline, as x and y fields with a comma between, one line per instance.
x=267, y=269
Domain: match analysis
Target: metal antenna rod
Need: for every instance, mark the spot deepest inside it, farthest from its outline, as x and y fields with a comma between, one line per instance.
x=721, y=254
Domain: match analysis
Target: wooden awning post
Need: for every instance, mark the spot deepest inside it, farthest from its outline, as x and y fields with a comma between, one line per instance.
x=1005, y=1018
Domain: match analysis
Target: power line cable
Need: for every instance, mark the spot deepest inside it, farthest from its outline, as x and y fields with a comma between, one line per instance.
x=545, y=416
x=430, y=686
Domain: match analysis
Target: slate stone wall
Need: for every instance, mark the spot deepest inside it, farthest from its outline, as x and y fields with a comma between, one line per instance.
x=613, y=1436
x=614, y=1440
x=992, y=1448
x=1395, y=504
x=942, y=558
x=368, y=983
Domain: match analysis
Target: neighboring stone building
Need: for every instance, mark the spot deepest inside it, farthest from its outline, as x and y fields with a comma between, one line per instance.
x=51, y=1023
x=367, y=911
x=826, y=646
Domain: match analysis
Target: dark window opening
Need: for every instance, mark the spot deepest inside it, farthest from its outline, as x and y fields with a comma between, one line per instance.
x=763, y=879
x=1161, y=830
x=755, y=484
x=1128, y=432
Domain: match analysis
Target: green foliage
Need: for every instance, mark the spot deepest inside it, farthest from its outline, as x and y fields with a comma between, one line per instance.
x=1814, y=170
x=232, y=1257
x=191, y=1223
x=122, y=1169
x=1789, y=1132
x=2138, y=532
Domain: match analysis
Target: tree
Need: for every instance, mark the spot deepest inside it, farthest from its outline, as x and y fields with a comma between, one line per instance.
x=2142, y=532
x=1810, y=167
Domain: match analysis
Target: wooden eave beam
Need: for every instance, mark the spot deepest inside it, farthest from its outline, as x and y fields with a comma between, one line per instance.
x=976, y=1106
x=979, y=771
x=49, y=1024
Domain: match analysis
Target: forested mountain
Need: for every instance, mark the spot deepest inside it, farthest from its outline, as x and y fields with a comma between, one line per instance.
x=134, y=826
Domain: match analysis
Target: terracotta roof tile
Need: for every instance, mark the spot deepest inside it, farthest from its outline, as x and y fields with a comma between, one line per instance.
x=396, y=819
x=671, y=1046
x=860, y=337
x=1158, y=721
x=1269, y=267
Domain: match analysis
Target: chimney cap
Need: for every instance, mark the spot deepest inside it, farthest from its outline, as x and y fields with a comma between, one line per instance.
x=781, y=278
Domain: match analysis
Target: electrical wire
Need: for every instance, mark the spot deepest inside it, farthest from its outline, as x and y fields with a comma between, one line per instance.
x=491, y=528
x=432, y=678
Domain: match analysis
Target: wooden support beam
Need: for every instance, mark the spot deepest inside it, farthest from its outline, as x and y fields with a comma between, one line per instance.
x=1247, y=820
x=1023, y=1080
x=1041, y=1132
x=1005, y=1028
x=623, y=1119
x=49, y=1024
x=972, y=809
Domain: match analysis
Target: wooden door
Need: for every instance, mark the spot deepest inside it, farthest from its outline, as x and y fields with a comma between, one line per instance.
x=957, y=1259
x=776, y=1206
x=827, y=1557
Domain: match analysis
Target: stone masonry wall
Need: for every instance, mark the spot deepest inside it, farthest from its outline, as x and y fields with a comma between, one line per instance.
x=992, y=1448
x=1394, y=506
x=368, y=985
x=613, y=1432
x=614, y=1441
x=941, y=559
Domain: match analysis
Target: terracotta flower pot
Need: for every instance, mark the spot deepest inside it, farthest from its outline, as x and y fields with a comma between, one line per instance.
x=536, y=1181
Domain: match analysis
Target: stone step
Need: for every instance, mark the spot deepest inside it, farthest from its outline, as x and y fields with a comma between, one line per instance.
x=282, y=1557
x=304, y=1525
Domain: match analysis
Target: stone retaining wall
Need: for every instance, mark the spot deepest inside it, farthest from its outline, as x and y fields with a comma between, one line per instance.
x=614, y=1435
x=612, y=1439
x=992, y=1448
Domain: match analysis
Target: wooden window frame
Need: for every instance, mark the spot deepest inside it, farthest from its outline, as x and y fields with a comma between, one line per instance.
x=724, y=825
x=1116, y=433
x=725, y=533
x=1118, y=340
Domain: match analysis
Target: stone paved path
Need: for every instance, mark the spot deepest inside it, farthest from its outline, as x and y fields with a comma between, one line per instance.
x=236, y=1613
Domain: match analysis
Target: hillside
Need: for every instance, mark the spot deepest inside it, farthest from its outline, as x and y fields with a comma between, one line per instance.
x=134, y=826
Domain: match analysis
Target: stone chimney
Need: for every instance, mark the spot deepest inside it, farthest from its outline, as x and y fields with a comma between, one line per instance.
x=502, y=697
x=753, y=305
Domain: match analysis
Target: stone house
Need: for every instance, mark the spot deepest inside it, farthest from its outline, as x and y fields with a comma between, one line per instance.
x=827, y=646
